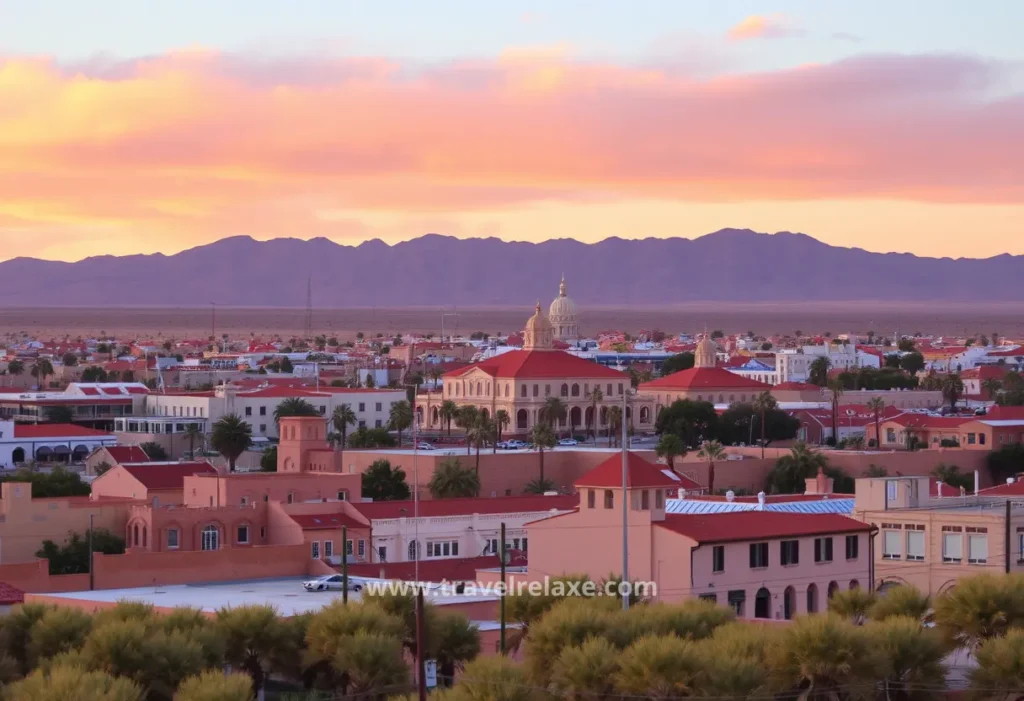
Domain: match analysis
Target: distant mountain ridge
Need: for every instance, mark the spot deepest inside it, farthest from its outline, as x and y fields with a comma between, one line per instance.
x=731, y=265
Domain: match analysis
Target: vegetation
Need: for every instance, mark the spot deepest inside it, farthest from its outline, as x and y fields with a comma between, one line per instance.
x=818, y=372
x=193, y=433
x=294, y=406
x=952, y=389
x=72, y=557
x=59, y=482
x=231, y=437
x=59, y=414
x=790, y=472
x=711, y=452
x=670, y=446
x=951, y=475
x=154, y=450
x=381, y=482
x=449, y=410
x=888, y=377
x=268, y=460
x=542, y=437
x=742, y=423
x=693, y=421
x=451, y=479
x=400, y=418
x=371, y=438
x=677, y=363
x=1006, y=462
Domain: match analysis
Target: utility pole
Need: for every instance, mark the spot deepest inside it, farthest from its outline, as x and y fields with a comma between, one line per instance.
x=91, y=580
x=421, y=677
x=625, y=505
x=416, y=492
x=503, y=592
x=344, y=564
x=309, y=309
x=213, y=321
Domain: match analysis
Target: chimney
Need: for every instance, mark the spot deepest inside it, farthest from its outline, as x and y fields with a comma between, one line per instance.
x=977, y=482
x=760, y=501
x=1009, y=480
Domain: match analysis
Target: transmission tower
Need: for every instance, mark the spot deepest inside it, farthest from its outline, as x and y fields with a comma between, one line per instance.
x=309, y=309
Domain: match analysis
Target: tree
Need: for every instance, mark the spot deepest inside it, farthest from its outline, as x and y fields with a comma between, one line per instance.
x=231, y=437
x=72, y=557
x=906, y=345
x=979, y=608
x=587, y=671
x=901, y=600
x=876, y=471
x=819, y=656
x=553, y=412
x=991, y=387
x=501, y=422
x=764, y=403
x=543, y=437
x=193, y=433
x=912, y=362
x=711, y=452
x=59, y=482
x=456, y=641
x=94, y=374
x=466, y=417
x=449, y=410
x=1006, y=462
x=59, y=630
x=876, y=405
x=42, y=370
x=837, y=391
x=539, y=486
x=677, y=363
x=818, y=372
x=371, y=438
x=790, y=471
x=251, y=636
x=480, y=433
x=15, y=367
x=951, y=475
x=268, y=460
x=615, y=423
x=595, y=398
x=69, y=360
x=286, y=365
x=72, y=682
x=692, y=421
x=341, y=418
x=659, y=667
x=215, y=685
x=400, y=418
x=999, y=674
x=670, y=446
x=294, y=406
x=59, y=414
x=381, y=482
x=952, y=389
x=495, y=678
x=451, y=479
x=370, y=663
x=908, y=657
x=155, y=451
x=852, y=604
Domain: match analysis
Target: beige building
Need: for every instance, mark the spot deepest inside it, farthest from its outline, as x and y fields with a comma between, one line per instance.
x=562, y=315
x=520, y=382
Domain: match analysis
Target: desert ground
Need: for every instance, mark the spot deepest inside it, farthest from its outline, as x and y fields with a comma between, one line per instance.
x=761, y=318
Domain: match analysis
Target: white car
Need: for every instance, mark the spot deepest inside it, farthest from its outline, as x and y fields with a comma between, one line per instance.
x=514, y=445
x=331, y=582
x=568, y=441
x=425, y=446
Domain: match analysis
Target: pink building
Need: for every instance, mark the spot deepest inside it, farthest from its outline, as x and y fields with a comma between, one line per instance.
x=763, y=564
x=154, y=482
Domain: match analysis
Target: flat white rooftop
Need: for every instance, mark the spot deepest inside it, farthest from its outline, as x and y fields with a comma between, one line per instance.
x=286, y=594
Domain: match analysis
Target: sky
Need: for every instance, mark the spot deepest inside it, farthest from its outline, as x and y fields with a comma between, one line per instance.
x=145, y=126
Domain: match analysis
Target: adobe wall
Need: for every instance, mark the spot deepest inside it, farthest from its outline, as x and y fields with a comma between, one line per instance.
x=35, y=576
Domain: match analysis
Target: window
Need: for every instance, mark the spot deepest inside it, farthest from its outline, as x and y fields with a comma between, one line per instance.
x=981, y=439
x=620, y=388
x=852, y=547
x=713, y=598
x=245, y=501
x=342, y=495
x=362, y=548
x=591, y=496
x=210, y=538
x=243, y=535
x=378, y=408
x=915, y=543
x=348, y=547
x=547, y=390
x=659, y=499
x=890, y=435
x=952, y=544
x=444, y=548
x=291, y=497
x=758, y=555
x=718, y=558
x=263, y=428
x=977, y=546
x=645, y=500
x=328, y=548
x=248, y=411
x=823, y=550
x=1020, y=545
x=536, y=390
x=890, y=490
x=609, y=499
x=609, y=392
x=789, y=552
x=377, y=423
x=522, y=393
x=315, y=550
x=362, y=406
x=382, y=553
x=892, y=548
x=323, y=410
x=263, y=411
x=172, y=538
x=737, y=598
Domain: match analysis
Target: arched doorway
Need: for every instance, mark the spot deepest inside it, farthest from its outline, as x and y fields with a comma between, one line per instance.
x=763, y=603
x=575, y=417
x=62, y=453
x=211, y=538
x=18, y=456
x=80, y=453
x=812, y=598
x=604, y=416
x=521, y=419
x=433, y=416
x=44, y=454
x=833, y=587
x=789, y=603
x=854, y=584
x=589, y=417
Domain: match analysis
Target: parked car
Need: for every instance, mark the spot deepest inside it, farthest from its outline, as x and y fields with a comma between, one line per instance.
x=332, y=582
x=425, y=446
x=511, y=445
x=568, y=441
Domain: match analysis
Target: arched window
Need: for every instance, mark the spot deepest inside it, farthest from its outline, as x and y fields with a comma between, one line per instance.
x=575, y=416
x=700, y=398
x=210, y=538
x=763, y=603
x=413, y=551
x=812, y=598
x=788, y=603
x=854, y=584
x=645, y=414
x=135, y=539
x=564, y=391
x=575, y=390
x=521, y=419
x=833, y=587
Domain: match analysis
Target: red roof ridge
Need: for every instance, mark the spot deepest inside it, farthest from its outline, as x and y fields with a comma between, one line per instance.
x=639, y=473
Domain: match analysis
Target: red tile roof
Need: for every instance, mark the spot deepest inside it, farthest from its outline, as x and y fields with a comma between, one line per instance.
x=466, y=506
x=127, y=453
x=320, y=522
x=1007, y=352
x=541, y=364
x=1014, y=489
x=639, y=473
x=159, y=476
x=924, y=421
x=449, y=570
x=704, y=378
x=1003, y=413
x=12, y=595
x=28, y=431
x=91, y=391
x=758, y=525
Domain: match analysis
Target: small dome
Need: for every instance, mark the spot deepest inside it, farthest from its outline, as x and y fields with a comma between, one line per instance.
x=537, y=334
x=705, y=354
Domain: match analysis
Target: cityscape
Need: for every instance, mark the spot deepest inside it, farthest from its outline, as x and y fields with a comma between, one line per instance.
x=502, y=406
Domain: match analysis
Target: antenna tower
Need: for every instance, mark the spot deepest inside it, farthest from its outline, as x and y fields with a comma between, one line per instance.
x=309, y=309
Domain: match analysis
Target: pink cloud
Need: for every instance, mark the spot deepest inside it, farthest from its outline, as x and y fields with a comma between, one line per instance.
x=762, y=27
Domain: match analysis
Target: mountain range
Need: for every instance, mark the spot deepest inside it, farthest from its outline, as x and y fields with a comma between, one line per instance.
x=734, y=265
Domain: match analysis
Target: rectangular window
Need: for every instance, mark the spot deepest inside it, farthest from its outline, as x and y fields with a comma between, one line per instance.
x=891, y=545
x=789, y=552
x=328, y=548
x=348, y=547
x=718, y=558
x=263, y=428
x=263, y=411
x=915, y=545
x=758, y=555
x=645, y=500
x=172, y=539
x=952, y=547
x=315, y=550
x=713, y=598
x=659, y=499
x=377, y=423
x=379, y=406
x=362, y=548
x=737, y=599
x=852, y=547
x=1020, y=545
x=609, y=392
x=590, y=498
x=609, y=499
x=248, y=411
x=382, y=553
x=981, y=439
x=524, y=545
x=323, y=410
x=890, y=490
x=243, y=535
x=245, y=501
x=823, y=550
x=971, y=438
x=977, y=549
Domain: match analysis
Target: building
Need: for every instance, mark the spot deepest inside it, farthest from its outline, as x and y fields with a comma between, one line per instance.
x=108, y=456
x=562, y=315
x=901, y=432
x=91, y=404
x=152, y=482
x=851, y=422
x=703, y=382
x=763, y=564
x=519, y=382
x=795, y=365
x=46, y=443
x=756, y=369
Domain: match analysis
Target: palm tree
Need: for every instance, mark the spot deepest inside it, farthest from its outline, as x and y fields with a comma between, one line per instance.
x=42, y=370
x=15, y=367
x=400, y=418
x=449, y=410
x=501, y=422
x=480, y=433
x=231, y=437
x=466, y=417
x=595, y=397
x=670, y=447
x=818, y=374
x=790, y=471
x=251, y=636
x=952, y=388
x=764, y=403
x=294, y=406
x=543, y=437
x=192, y=434
x=711, y=452
x=451, y=479
x=341, y=418
x=553, y=412
x=991, y=387
x=837, y=391
x=876, y=405
x=381, y=482
x=614, y=424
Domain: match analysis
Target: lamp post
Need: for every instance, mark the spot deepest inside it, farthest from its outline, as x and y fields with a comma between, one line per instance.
x=625, y=502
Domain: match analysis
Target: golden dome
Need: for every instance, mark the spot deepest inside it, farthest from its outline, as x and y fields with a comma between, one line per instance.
x=705, y=354
x=563, y=309
x=537, y=334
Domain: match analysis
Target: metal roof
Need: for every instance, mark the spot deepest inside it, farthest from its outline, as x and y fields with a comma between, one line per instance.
x=701, y=506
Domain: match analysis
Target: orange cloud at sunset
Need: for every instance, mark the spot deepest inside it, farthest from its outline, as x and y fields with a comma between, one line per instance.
x=760, y=27
x=167, y=152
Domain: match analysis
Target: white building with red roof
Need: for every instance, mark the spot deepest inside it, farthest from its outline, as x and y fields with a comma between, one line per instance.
x=519, y=382
x=45, y=443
